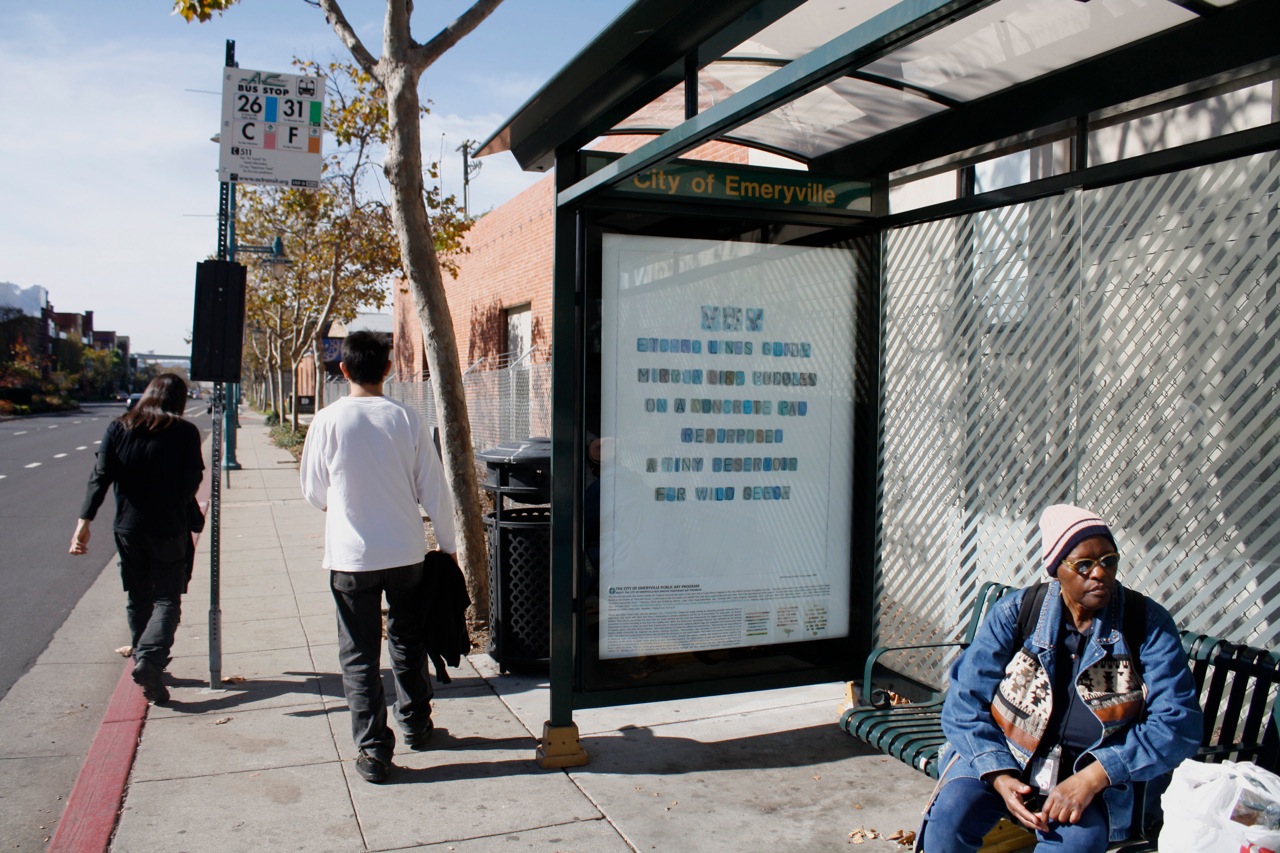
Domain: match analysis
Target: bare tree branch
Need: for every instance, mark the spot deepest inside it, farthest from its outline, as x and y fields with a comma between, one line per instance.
x=336, y=19
x=424, y=55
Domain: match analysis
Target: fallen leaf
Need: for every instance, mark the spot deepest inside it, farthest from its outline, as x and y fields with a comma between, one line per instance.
x=221, y=722
x=817, y=777
x=857, y=805
x=234, y=679
x=904, y=837
x=124, y=651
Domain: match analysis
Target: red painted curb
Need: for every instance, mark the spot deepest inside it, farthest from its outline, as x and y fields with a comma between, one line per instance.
x=89, y=818
x=90, y=814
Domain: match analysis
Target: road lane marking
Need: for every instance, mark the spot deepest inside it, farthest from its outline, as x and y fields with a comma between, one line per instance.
x=2, y=476
x=83, y=447
x=33, y=465
x=99, y=441
x=24, y=432
x=59, y=455
x=53, y=426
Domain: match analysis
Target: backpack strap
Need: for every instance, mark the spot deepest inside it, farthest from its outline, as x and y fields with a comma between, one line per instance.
x=1135, y=625
x=1029, y=611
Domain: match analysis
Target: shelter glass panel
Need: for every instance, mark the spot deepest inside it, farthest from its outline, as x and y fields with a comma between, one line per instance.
x=1114, y=348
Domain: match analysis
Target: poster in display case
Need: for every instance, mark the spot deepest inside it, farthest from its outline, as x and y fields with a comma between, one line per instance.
x=725, y=445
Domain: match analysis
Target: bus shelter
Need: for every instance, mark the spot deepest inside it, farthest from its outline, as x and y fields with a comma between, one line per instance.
x=979, y=256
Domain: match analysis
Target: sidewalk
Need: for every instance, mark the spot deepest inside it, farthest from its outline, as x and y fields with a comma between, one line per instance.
x=268, y=763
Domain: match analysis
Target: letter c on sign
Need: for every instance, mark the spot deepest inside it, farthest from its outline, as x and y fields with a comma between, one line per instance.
x=248, y=131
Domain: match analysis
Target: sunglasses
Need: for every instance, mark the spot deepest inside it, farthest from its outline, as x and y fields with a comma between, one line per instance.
x=1085, y=565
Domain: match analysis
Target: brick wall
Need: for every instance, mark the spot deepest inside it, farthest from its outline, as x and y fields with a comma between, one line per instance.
x=510, y=264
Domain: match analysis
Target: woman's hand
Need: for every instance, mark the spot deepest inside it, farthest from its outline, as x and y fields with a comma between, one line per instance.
x=1070, y=797
x=1013, y=790
x=80, y=539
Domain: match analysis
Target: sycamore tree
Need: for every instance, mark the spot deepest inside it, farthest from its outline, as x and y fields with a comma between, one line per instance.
x=397, y=72
x=362, y=242
x=339, y=237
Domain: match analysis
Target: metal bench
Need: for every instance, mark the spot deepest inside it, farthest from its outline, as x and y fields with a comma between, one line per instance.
x=911, y=732
x=1237, y=687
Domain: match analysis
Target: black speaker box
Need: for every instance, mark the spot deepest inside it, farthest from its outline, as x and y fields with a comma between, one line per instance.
x=217, y=332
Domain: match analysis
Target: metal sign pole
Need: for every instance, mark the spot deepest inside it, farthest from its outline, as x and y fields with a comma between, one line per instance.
x=225, y=241
x=215, y=527
x=232, y=389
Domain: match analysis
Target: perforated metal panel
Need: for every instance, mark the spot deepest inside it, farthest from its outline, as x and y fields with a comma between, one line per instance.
x=1114, y=348
x=520, y=586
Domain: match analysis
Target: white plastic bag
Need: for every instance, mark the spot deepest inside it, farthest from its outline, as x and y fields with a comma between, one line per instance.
x=1232, y=807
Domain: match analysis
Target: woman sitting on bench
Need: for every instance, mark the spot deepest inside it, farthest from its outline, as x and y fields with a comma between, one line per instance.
x=1071, y=691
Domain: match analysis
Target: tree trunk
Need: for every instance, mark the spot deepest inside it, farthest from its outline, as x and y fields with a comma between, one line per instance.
x=316, y=353
x=403, y=166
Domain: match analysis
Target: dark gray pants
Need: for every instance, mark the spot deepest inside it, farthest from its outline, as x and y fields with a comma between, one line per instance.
x=154, y=573
x=358, y=596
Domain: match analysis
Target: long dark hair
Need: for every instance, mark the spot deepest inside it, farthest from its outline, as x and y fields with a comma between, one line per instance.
x=162, y=403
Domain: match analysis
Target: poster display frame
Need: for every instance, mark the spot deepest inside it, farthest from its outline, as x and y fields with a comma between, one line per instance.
x=600, y=680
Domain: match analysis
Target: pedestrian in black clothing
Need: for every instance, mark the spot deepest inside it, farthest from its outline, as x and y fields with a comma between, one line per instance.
x=152, y=458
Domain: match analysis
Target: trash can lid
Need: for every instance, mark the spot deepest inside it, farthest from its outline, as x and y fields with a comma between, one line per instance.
x=526, y=450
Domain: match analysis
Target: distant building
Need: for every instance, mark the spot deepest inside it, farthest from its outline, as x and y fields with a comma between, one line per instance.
x=331, y=343
x=30, y=300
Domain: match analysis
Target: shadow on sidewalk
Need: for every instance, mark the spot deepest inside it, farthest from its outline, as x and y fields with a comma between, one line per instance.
x=233, y=694
x=640, y=753
x=638, y=750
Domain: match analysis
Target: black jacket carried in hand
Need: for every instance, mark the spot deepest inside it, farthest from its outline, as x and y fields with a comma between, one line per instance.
x=444, y=609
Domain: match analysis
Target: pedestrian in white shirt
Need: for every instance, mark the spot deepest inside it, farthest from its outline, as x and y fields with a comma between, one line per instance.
x=369, y=462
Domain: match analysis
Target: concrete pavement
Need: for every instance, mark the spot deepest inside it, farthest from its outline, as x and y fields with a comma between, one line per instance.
x=268, y=763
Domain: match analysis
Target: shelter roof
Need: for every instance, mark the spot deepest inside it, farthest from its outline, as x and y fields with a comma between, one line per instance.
x=863, y=87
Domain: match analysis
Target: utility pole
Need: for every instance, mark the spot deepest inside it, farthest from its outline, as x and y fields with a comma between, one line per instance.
x=469, y=168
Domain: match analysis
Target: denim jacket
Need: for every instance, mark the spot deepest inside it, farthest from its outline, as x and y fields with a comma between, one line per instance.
x=1141, y=738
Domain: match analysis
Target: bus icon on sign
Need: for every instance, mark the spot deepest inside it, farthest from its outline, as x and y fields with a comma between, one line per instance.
x=307, y=87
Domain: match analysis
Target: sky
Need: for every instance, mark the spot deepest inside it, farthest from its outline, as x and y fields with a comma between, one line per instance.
x=108, y=177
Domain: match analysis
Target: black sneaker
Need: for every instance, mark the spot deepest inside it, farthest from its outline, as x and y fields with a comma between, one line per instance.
x=147, y=675
x=417, y=740
x=371, y=768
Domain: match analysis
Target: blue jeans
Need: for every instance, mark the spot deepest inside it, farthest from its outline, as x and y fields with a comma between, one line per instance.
x=358, y=596
x=154, y=573
x=966, y=809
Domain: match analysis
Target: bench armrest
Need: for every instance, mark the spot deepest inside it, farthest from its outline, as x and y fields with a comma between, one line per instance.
x=874, y=657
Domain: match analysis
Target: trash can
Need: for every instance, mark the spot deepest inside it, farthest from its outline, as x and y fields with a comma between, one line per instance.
x=519, y=553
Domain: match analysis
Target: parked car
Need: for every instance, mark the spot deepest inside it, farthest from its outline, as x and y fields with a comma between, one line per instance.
x=132, y=401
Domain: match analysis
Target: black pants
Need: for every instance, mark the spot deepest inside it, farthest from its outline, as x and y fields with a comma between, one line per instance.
x=358, y=596
x=154, y=573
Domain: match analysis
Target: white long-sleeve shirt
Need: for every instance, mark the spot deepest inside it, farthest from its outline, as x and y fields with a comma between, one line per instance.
x=369, y=462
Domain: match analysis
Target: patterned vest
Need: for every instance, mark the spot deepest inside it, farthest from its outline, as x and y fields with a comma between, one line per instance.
x=1110, y=688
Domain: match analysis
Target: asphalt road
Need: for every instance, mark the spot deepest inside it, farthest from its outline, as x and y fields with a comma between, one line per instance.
x=45, y=463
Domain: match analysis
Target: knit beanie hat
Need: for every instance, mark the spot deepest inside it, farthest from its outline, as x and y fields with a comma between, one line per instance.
x=1063, y=527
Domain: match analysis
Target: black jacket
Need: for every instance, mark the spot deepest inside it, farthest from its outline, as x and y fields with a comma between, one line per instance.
x=155, y=474
x=444, y=608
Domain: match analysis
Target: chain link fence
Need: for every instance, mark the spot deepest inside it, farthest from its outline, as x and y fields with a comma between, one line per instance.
x=508, y=398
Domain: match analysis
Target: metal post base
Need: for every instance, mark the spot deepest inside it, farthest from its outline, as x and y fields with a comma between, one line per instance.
x=560, y=747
